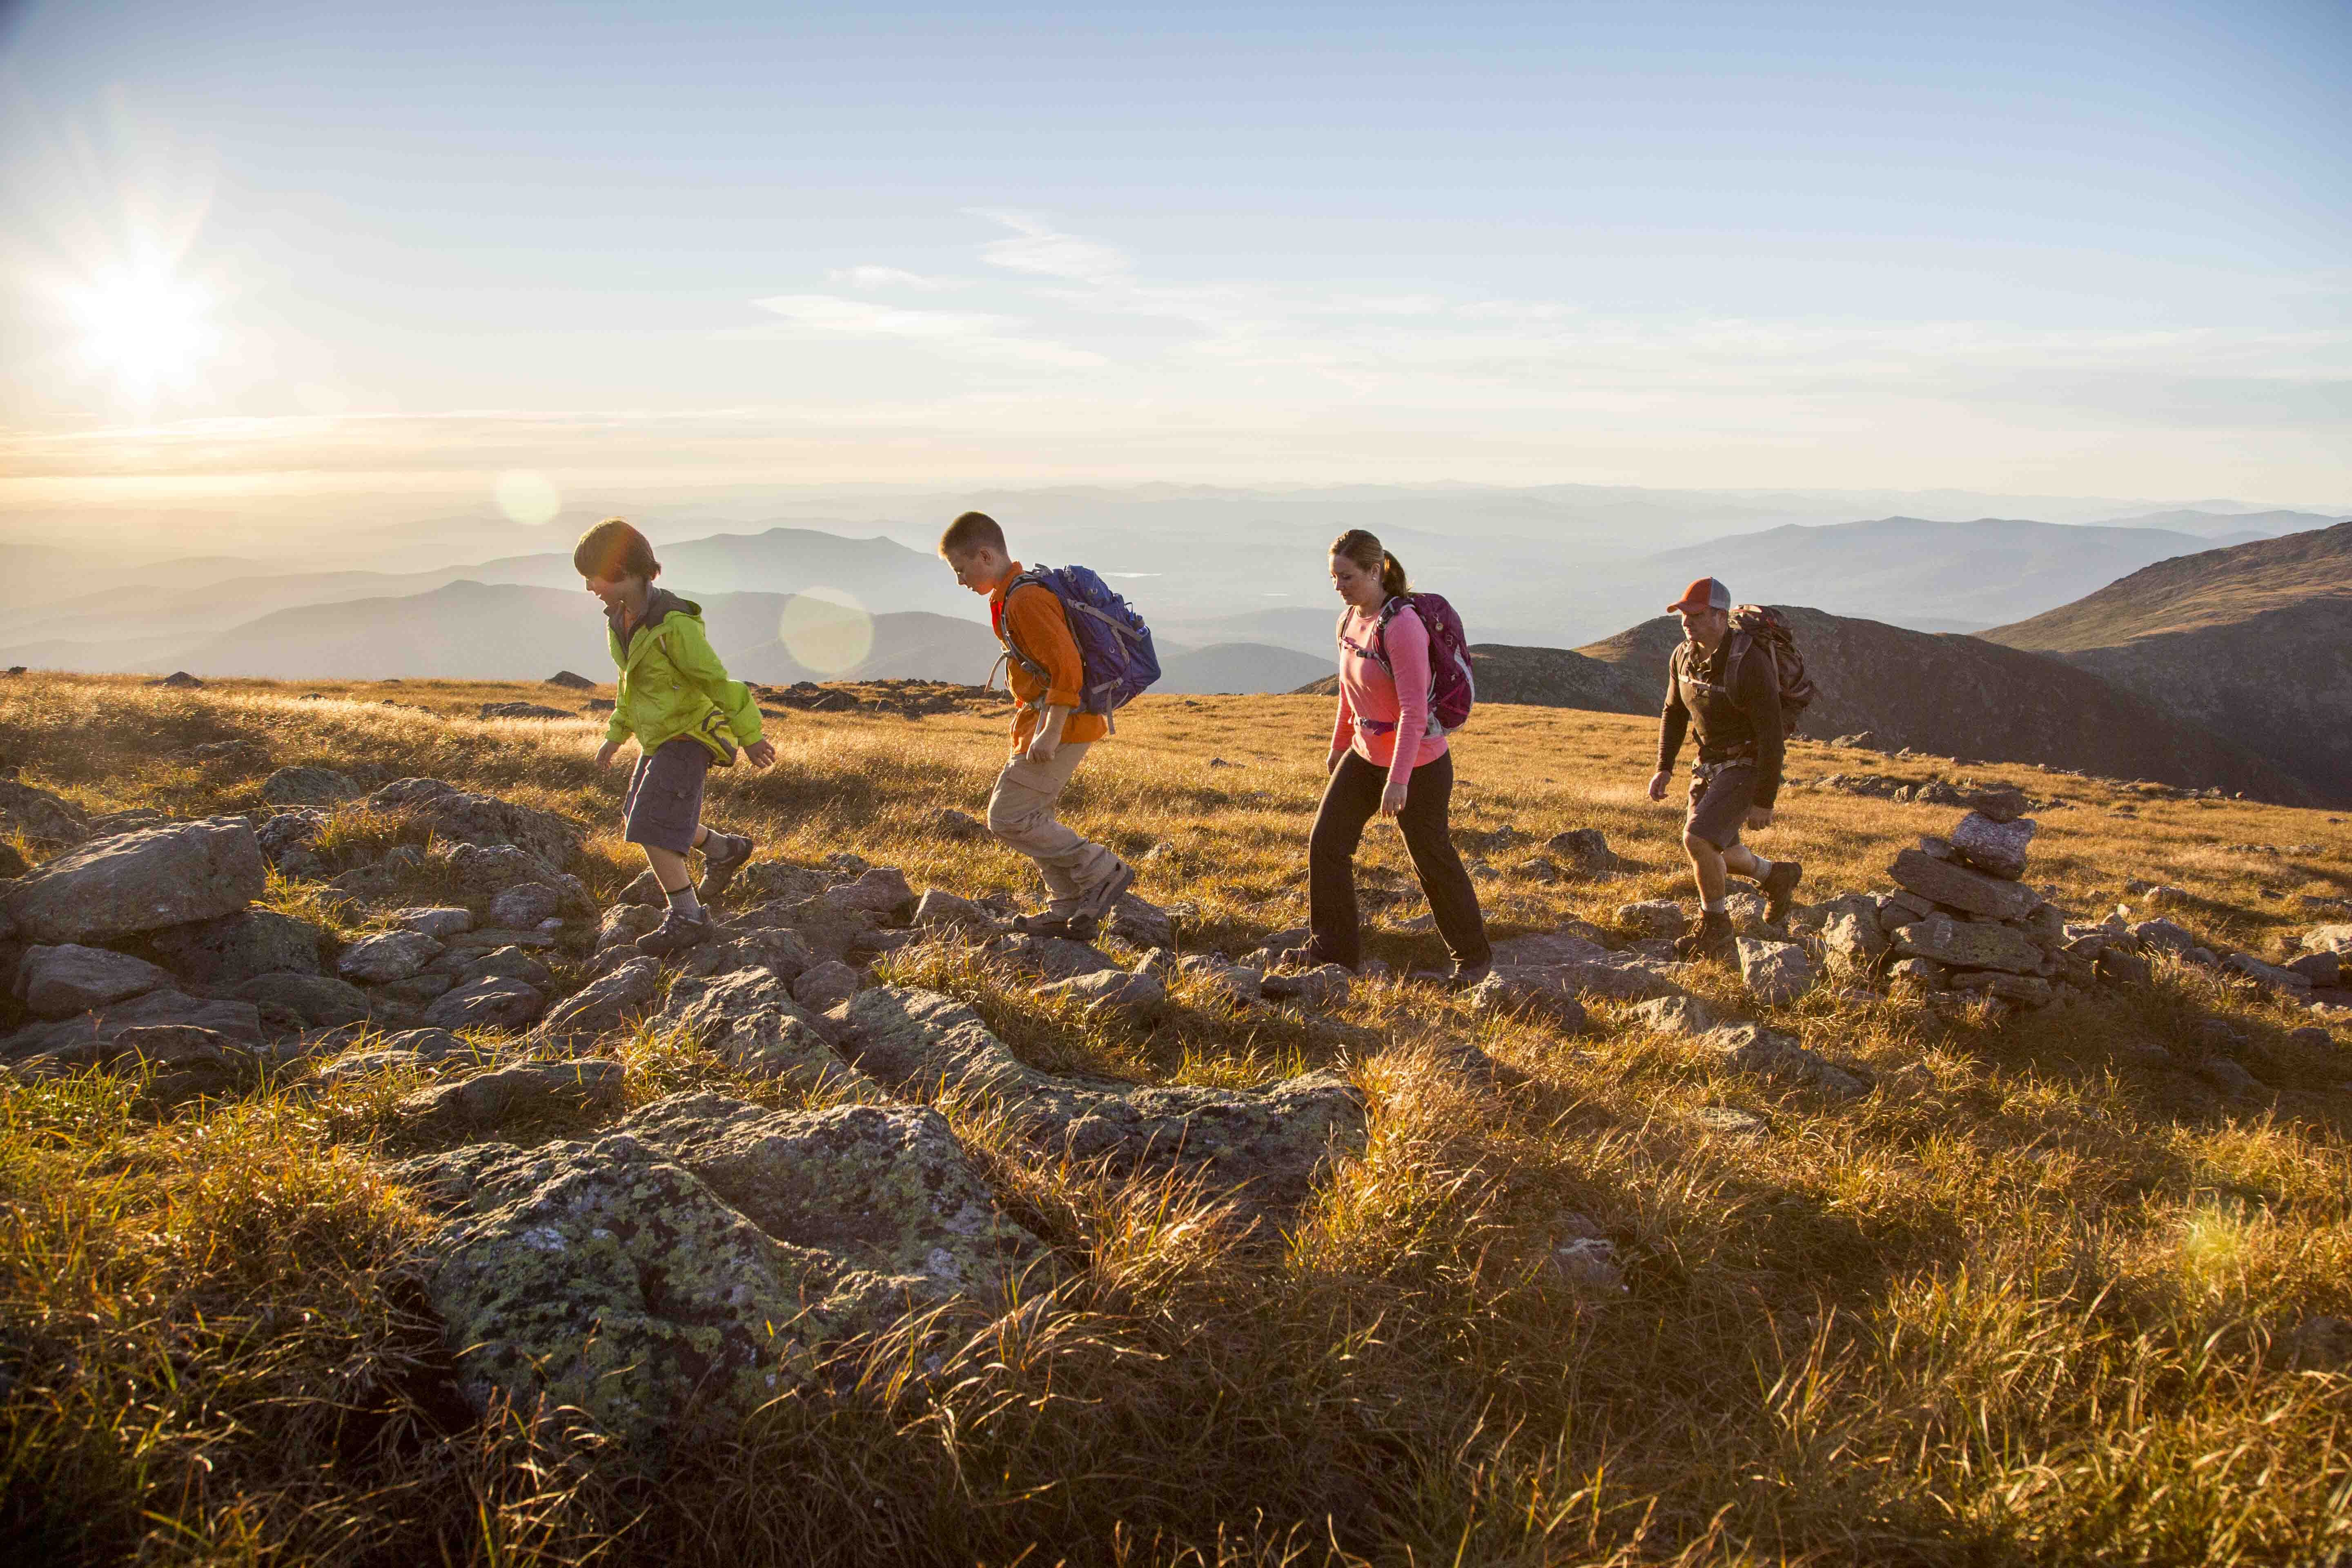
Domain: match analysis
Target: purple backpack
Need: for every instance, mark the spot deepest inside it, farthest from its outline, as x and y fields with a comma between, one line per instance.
x=1452, y=687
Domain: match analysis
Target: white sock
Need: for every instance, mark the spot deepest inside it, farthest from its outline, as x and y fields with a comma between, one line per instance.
x=1763, y=868
x=1715, y=906
x=683, y=902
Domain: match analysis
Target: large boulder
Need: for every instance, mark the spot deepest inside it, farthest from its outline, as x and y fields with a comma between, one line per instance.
x=1971, y=945
x=235, y=948
x=58, y=982
x=457, y=816
x=143, y=882
x=621, y=1278
x=311, y=1001
x=1956, y=886
x=1265, y=1146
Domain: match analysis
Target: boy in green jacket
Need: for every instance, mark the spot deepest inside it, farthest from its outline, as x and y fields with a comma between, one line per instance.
x=674, y=696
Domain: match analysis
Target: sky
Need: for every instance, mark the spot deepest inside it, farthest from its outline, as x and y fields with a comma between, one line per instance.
x=252, y=247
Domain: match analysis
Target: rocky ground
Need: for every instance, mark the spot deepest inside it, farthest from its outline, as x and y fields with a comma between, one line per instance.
x=647, y=1202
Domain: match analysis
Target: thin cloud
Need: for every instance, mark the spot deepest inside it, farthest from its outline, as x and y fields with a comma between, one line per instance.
x=872, y=277
x=1038, y=248
x=970, y=333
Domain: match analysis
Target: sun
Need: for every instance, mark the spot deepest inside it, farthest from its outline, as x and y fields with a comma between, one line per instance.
x=148, y=329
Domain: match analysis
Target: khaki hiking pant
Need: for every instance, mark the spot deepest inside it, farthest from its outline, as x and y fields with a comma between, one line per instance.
x=1021, y=815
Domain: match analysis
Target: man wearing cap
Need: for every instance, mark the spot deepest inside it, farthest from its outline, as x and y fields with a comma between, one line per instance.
x=1735, y=714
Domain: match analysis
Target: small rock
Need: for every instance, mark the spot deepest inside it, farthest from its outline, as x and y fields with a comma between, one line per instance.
x=882, y=890
x=523, y=711
x=180, y=681
x=391, y=955
x=524, y=905
x=2002, y=804
x=1230, y=981
x=1140, y=923
x=496, y=1001
x=1924, y=972
x=1583, y=850
x=1654, y=917
x=1136, y=997
x=603, y=1005
x=940, y=909
x=313, y=1001
x=2318, y=968
x=1775, y=971
x=1588, y=1264
x=2228, y=1076
x=1729, y=1122
x=1514, y=993
x=1996, y=848
x=58, y=982
x=956, y=827
x=569, y=683
x=435, y=923
x=2322, y=1343
x=826, y=987
x=1748, y=1047
x=624, y=923
x=40, y=815
x=1678, y=1016
x=1317, y=989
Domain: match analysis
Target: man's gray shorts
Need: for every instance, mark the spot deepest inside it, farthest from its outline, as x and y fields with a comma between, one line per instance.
x=665, y=798
x=1719, y=803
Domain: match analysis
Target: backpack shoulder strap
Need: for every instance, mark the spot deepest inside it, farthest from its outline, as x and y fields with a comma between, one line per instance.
x=1012, y=649
x=1379, y=646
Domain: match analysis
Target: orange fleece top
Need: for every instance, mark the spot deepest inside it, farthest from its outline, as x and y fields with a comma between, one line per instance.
x=1033, y=621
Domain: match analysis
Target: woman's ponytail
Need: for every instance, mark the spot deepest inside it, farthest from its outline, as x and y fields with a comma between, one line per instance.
x=1364, y=550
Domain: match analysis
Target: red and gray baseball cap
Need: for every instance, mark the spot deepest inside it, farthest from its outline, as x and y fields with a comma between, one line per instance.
x=1707, y=593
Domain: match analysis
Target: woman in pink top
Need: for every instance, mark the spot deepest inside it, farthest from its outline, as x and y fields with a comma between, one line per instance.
x=1389, y=756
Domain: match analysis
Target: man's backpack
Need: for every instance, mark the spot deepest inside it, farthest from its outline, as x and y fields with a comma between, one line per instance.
x=1752, y=623
x=1451, y=688
x=1114, y=645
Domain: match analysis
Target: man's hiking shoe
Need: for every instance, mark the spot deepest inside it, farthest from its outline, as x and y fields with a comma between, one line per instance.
x=1780, y=887
x=723, y=854
x=1097, y=904
x=1069, y=928
x=676, y=934
x=1712, y=940
x=1466, y=975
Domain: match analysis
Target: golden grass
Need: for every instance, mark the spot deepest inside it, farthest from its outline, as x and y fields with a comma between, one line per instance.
x=2022, y=1303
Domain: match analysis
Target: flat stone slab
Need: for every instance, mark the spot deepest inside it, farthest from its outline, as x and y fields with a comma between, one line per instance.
x=1956, y=886
x=1971, y=945
x=142, y=881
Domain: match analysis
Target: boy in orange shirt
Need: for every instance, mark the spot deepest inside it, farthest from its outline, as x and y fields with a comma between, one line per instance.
x=1050, y=734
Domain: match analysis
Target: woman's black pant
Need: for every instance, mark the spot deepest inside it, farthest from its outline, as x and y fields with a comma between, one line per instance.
x=1349, y=801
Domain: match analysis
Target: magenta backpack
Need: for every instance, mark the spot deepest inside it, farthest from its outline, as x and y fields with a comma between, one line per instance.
x=1451, y=688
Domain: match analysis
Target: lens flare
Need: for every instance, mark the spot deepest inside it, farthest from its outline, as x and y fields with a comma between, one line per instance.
x=826, y=630
x=527, y=498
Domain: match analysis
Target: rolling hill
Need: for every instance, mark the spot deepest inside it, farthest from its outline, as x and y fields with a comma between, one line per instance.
x=1234, y=666
x=2253, y=641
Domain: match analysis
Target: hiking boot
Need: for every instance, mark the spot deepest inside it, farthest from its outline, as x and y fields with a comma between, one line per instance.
x=1467, y=975
x=1712, y=940
x=1780, y=887
x=676, y=932
x=723, y=854
x=1076, y=927
x=1098, y=903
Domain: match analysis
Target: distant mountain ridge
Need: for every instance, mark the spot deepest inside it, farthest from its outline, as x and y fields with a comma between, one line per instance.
x=2254, y=641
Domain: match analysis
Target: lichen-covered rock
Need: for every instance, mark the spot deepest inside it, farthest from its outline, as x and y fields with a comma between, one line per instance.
x=1996, y=848
x=1921, y=972
x=1582, y=850
x=1512, y=992
x=1654, y=917
x=1949, y=883
x=58, y=982
x=1139, y=998
x=2318, y=968
x=142, y=881
x=1971, y=945
x=1678, y=1016
x=39, y=816
x=780, y=951
x=2269, y=977
x=940, y=909
x=492, y=1002
x=309, y=1001
x=2024, y=989
x=1140, y=923
x=389, y=956
x=309, y=786
x=457, y=816
x=236, y=947
x=603, y=1006
x=437, y=921
x=882, y=891
x=1853, y=941
x=885, y=1188
x=1751, y=1049
x=624, y=923
x=1265, y=1145
x=239, y=1021
x=507, y=961
x=485, y=870
x=525, y=904
x=1048, y=957
x=1775, y=971
x=749, y=1019
x=825, y=987
x=487, y=1099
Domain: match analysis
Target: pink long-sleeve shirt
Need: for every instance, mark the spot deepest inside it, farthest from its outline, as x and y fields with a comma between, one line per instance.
x=1398, y=706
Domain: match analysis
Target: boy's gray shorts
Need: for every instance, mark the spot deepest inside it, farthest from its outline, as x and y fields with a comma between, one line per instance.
x=665, y=798
x=1718, y=805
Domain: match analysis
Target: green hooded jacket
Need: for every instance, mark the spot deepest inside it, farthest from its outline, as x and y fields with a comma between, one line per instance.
x=671, y=684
